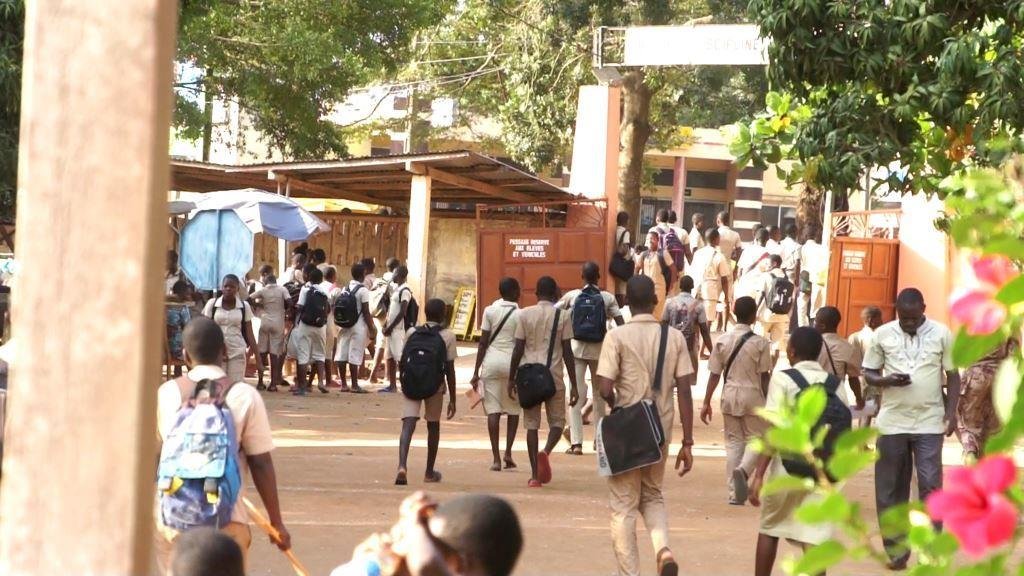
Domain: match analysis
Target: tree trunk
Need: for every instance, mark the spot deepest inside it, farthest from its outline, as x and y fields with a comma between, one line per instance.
x=808, y=211
x=207, y=114
x=636, y=129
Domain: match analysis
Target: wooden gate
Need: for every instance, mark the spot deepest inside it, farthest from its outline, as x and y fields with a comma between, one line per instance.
x=527, y=253
x=863, y=265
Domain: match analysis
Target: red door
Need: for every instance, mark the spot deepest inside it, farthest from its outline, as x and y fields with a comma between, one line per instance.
x=862, y=272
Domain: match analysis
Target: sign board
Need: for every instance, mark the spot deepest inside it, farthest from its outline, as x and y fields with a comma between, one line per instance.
x=461, y=323
x=854, y=260
x=529, y=248
x=700, y=45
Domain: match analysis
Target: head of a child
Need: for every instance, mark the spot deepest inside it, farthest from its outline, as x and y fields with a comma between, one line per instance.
x=827, y=319
x=206, y=552
x=745, y=310
x=872, y=317
x=509, y=289
x=204, y=342
x=804, y=345
x=434, y=310
x=482, y=534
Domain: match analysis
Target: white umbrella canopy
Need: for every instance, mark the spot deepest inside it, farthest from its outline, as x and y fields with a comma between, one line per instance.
x=262, y=211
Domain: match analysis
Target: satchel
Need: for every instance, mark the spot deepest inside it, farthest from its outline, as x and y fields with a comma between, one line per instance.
x=632, y=437
x=534, y=382
x=619, y=266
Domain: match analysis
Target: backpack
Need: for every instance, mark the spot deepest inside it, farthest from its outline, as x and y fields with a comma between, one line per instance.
x=589, y=319
x=293, y=289
x=347, y=309
x=779, y=298
x=314, y=312
x=674, y=246
x=412, y=311
x=380, y=299
x=422, y=365
x=685, y=319
x=836, y=416
x=198, y=476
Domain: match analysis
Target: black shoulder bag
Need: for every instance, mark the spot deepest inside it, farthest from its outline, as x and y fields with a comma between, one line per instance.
x=735, y=352
x=632, y=436
x=620, y=266
x=534, y=382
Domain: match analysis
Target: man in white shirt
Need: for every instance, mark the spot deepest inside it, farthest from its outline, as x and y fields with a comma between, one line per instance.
x=814, y=261
x=907, y=359
x=789, y=249
x=587, y=352
x=330, y=287
x=711, y=270
x=730, y=239
x=696, y=236
x=204, y=346
x=774, y=237
x=774, y=325
x=307, y=343
x=351, y=348
x=752, y=265
x=395, y=328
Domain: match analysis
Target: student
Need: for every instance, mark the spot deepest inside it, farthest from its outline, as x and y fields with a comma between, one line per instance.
x=778, y=510
x=752, y=264
x=586, y=352
x=294, y=272
x=730, y=241
x=624, y=377
x=273, y=300
x=696, y=236
x=330, y=287
x=376, y=343
x=381, y=355
x=493, y=358
x=318, y=258
x=742, y=361
x=871, y=316
x=977, y=420
x=206, y=552
x=673, y=221
x=533, y=335
x=352, y=341
x=469, y=535
x=907, y=359
x=774, y=237
x=687, y=315
x=174, y=272
x=395, y=326
x=838, y=357
x=431, y=407
x=671, y=243
x=177, y=317
x=204, y=346
x=234, y=316
x=658, y=265
x=624, y=245
x=814, y=267
x=307, y=343
x=789, y=249
x=714, y=272
x=774, y=325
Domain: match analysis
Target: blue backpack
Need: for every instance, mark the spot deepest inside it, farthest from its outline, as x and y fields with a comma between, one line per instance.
x=198, y=477
x=589, y=320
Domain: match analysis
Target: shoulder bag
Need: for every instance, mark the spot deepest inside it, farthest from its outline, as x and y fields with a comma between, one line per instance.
x=632, y=437
x=534, y=382
x=620, y=266
x=735, y=352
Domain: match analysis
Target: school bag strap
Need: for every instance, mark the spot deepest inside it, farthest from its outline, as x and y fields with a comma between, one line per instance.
x=735, y=352
x=659, y=369
x=554, y=333
x=502, y=323
x=619, y=241
x=830, y=360
x=831, y=383
x=187, y=388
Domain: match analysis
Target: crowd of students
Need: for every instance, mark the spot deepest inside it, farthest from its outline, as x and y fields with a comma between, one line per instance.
x=682, y=285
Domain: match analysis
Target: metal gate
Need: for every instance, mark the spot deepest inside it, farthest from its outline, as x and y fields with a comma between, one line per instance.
x=863, y=265
x=536, y=241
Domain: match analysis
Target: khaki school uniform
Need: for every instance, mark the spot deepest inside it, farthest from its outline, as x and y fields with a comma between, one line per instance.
x=728, y=241
x=628, y=359
x=842, y=359
x=494, y=369
x=273, y=300
x=774, y=327
x=741, y=396
x=623, y=242
x=534, y=327
x=431, y=407
x=707, y=270
x=650, y=266
x=861, y=340
x=232, y=323
x=252, y=427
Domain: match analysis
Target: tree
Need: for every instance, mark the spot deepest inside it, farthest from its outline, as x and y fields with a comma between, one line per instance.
x=287, y=62
x=925, y=88
x=12, y=35
x=522, y=63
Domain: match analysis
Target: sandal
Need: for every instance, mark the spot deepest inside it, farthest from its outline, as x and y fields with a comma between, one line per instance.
x=401, y=479
x=432, y=478
x=575, y=450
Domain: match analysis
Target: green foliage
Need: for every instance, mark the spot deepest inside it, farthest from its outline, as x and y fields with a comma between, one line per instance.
x=12, y=35
x=287, y=62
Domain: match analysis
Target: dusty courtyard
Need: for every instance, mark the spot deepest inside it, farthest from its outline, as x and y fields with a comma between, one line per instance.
x=336, y=457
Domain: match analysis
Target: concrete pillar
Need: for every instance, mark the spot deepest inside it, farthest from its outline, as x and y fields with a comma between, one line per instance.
x=79, y=461
x=595, y=150
x=679, y=190
x=419, y=238
x=747, y=208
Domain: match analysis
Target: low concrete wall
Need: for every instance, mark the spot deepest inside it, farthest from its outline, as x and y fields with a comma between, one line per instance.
x=451, y=257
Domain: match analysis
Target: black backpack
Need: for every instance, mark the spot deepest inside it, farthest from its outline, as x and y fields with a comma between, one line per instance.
x=589, y=319
x=836, y=415
x=314, y=311
x=412, y=310
x=347, y=308
x=423, y=361
x=779, y=298
x=293, y=289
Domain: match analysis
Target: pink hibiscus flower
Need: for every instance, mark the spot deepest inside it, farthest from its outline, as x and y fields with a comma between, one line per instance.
x=973, y=505
x=977, y=308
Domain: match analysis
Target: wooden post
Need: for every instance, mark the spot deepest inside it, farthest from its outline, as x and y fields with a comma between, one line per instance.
x=419, y=238
x=78, y=488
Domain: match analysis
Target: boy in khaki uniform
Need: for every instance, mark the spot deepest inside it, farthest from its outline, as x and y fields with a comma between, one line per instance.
x=533, y=334
x=625, y=376
x=744, y=361
x=838, y=357
x=711, y=269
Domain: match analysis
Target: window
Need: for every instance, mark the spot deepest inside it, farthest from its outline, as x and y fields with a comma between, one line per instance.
x=769, y=215
x=374, y=151
x=664, y=177
x=709, y=209
x=776, y=215
x=648, y=212
x=702, y=179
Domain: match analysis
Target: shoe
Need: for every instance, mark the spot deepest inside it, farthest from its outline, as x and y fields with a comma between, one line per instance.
x=739, y=486
x=898, y=565
x=323, y=389
x=534, y=484
x=575, y=450
x=667, y=565
x=543, y=467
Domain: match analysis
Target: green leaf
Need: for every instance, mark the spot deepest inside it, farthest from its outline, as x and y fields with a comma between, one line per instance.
x=895, y=521
x=944, y=546
x=811, y=404
x=855, y=438
x=1012, y=292
x=819, y=559
x=844, y=465
x=833, y=508
x=969, y=349
x=1010, y=247
x=792, y=440
x=786, y=483
x=1006, y=388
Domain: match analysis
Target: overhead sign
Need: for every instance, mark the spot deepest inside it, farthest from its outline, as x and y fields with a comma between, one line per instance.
x=529, y=249
x=700, y=45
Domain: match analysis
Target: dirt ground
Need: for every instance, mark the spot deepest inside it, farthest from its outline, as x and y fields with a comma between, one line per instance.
x=336, y=457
